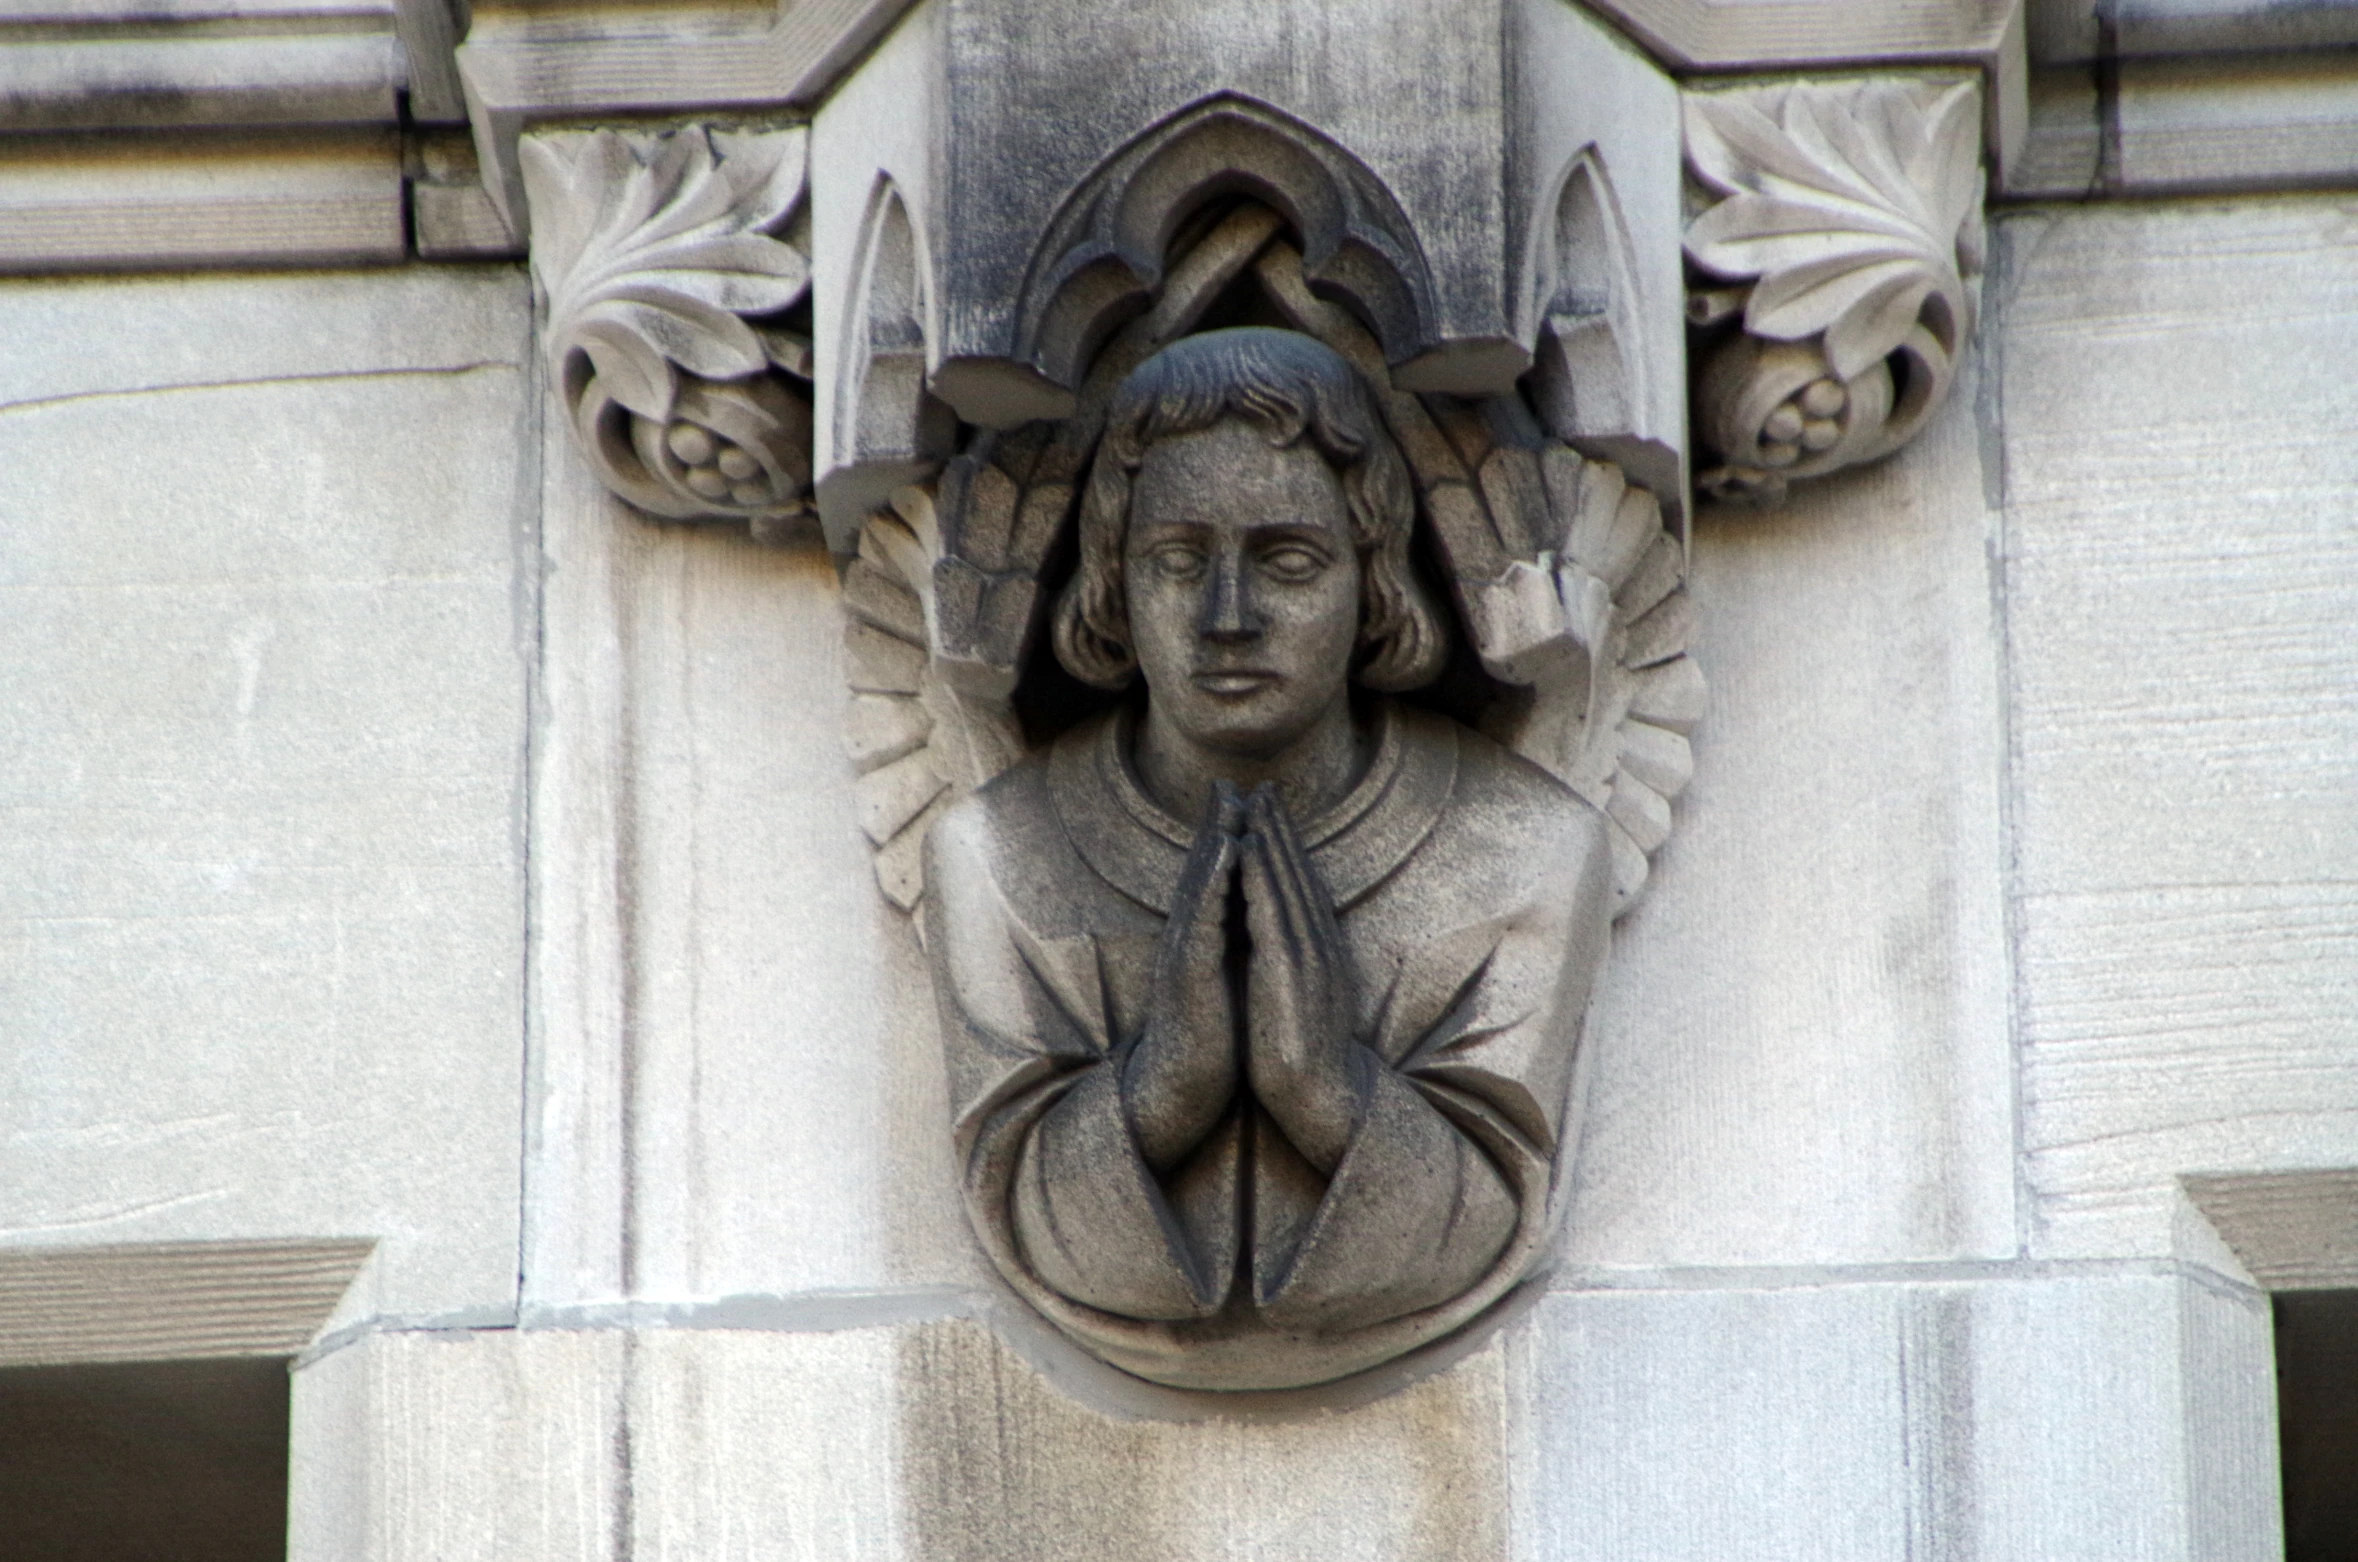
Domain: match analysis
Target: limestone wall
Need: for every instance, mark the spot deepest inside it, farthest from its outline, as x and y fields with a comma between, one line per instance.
x=406, y=844
x=267, y=550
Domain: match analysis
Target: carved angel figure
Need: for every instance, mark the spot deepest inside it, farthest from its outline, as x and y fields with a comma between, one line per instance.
x=1261, y=990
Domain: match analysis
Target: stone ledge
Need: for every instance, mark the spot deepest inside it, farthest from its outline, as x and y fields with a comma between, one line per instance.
x=160, y=1300
x=2295, y=1231
x=91, y=203
x=2214, y=124
x=143, y=83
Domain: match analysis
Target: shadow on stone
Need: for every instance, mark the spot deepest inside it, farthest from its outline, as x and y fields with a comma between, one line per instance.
x=2317, y=1410
x=174, y=1461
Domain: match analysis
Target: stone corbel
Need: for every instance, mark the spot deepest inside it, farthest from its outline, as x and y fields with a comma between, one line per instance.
x=1836, y=256
x=675, y=281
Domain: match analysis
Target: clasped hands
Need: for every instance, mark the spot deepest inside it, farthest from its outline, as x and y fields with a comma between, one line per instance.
x=1290, y=974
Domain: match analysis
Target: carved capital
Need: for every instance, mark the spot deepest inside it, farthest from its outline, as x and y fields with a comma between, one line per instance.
x=672, y=283
x=1837, y=252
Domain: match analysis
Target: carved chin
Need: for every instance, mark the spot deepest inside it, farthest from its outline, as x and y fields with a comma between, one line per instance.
x=1259, y=715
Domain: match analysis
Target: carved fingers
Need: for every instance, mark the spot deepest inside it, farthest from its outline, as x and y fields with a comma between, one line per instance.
x=1182, y=1073
x=1305, y=1067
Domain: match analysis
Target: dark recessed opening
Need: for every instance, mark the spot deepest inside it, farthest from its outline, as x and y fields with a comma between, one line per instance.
x=167, y=1461
x=2317, y=1417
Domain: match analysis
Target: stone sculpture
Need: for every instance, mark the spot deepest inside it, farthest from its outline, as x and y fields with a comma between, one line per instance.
x=1260, y=997
x=1262, y=977
x=1262, y=982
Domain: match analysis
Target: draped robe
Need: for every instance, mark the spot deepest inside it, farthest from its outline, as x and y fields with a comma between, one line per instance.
x=1473, y=893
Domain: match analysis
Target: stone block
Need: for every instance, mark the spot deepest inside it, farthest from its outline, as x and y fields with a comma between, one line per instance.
x=260, y=897
x=2012, y=1420
x=999, y=1465
x=934, y=1441
x=738, y=1080
x=2180, y=584
x=757, y=1447
x=460, y=1447
x=2015, y=1417
x=113, y=337
x=930, y=1441
x=1800, y=1050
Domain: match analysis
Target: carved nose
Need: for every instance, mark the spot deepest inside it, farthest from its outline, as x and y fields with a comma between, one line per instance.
x=1228, y=615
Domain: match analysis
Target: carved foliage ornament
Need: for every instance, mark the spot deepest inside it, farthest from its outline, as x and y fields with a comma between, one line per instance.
x=1261, y=984
x=1842, y=237
x=669, y=290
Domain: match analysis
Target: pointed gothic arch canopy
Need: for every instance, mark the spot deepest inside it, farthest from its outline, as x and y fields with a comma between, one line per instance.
x=1101, y=258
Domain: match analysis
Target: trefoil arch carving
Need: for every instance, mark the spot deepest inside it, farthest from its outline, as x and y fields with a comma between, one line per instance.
x=1102, y=257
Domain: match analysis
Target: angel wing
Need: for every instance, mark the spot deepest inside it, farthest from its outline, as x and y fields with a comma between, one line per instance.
x=918, y=740
x=1595, y=627
x=1572, y=589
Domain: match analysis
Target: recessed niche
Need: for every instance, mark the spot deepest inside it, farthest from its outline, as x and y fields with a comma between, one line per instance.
x=2317, y=1411
x=173, y=1461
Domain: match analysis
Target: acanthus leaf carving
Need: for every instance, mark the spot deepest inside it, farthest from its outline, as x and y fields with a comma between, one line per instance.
x=668, y=284
x=1843, y=227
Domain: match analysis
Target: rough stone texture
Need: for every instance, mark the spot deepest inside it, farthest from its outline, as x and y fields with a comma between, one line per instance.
x=929, y=1442
x=154, y=1301
x=2020, y=1419
x=260, y=767
x=460, y=1447
x=2294, y=1231
x=997, y=1465
x=2180, y=585
x=1800, y=1049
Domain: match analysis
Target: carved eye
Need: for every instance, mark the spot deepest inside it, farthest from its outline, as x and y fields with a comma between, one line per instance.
x=1177, y=561
x=1293, y=562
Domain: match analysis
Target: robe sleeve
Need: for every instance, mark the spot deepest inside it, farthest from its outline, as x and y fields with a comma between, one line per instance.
x=1053, y=1177
x=1451, y=1164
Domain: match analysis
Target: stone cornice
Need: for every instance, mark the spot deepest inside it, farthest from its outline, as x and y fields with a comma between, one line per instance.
x=235, y=132
x=514, y=79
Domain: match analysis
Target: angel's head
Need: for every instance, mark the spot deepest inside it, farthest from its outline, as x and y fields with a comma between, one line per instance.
x=1244, y=541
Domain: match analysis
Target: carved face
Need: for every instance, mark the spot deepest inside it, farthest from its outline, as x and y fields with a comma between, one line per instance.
x=1243, y=587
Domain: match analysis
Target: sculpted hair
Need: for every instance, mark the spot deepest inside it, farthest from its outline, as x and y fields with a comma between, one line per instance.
x=1293, y=388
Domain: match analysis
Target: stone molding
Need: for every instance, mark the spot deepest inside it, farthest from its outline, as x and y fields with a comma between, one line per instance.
x=635, y=65
x=130, y=131
x=667, y=288
x=1735, y=34
x=2293, y=1230
x=1722, y=36
x=1839, y=251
